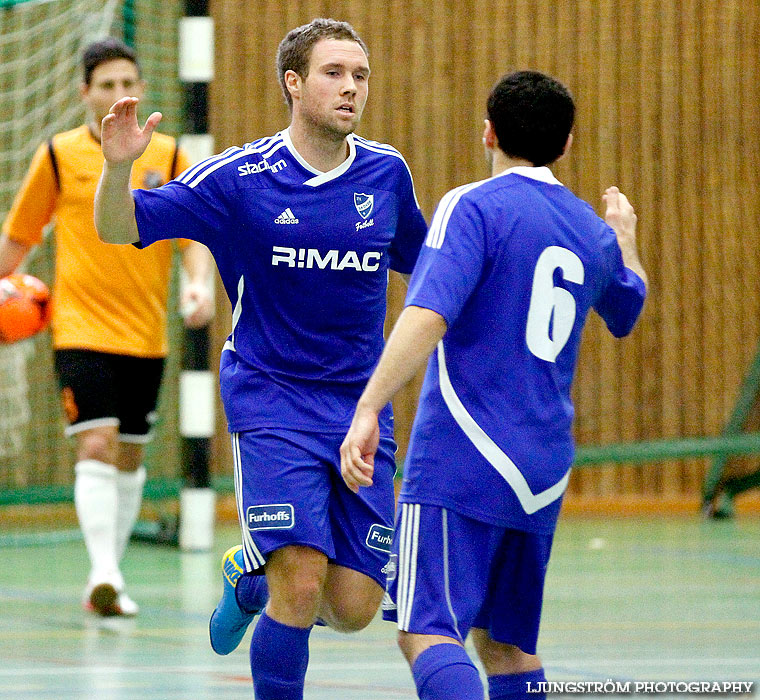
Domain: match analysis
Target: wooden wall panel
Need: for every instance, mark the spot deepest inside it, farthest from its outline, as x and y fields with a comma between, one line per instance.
x=689, y=221
x=668, y=101
x=631, y=377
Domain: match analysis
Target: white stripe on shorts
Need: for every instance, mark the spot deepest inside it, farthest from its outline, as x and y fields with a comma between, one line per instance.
x=70, y=430
x=403, y=563
x=251, y=555
x=446, y=579
x=408, y=545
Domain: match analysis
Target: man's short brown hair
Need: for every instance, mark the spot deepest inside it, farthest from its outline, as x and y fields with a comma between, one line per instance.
x=294, y=52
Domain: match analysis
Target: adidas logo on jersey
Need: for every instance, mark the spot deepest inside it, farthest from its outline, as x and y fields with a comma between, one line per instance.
x=287, y=217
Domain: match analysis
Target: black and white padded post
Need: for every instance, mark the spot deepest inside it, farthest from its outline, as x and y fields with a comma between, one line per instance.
x=197, y=384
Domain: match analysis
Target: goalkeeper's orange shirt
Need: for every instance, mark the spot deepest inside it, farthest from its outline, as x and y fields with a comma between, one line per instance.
x=109, y=298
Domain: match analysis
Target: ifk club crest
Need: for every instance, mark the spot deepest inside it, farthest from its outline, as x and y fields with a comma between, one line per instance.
x=364, y=204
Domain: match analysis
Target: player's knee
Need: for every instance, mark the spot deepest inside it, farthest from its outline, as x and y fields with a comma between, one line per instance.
x=360, y=617
x=499, y=658
x=492, y=652
x=348, y=616
x=97, y=444
x=305, y=592
x=412, y=645
x=296, y=578
x=404, y=642
x=351, y=601
x=296, y=607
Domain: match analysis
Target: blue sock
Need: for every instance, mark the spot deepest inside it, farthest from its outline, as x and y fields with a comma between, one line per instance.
x=252, y=592
x=279, y=657
x=445, y=671
x=514, y=686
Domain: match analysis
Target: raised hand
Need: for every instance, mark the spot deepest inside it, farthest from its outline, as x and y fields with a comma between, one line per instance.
x=622, y=219
x=620, y=215
x=121, y=138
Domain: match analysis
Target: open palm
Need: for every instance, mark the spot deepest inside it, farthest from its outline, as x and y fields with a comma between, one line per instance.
x=122, y=139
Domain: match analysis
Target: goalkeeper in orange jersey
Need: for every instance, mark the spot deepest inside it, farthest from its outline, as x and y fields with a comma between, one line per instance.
x=109, y=314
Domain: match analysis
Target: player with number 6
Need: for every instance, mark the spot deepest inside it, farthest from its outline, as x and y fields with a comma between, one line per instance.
x=509, y=271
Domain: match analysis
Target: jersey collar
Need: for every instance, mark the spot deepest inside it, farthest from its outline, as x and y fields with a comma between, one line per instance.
x=321, y=178
x=542, y=173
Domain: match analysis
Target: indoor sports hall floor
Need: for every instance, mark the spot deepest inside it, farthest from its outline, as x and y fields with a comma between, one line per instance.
x=626, y=599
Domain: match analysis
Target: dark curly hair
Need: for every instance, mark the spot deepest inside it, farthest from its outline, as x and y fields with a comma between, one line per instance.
x=532, y=115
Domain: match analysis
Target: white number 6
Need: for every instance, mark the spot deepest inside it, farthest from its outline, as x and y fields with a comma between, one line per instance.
x=552, y=306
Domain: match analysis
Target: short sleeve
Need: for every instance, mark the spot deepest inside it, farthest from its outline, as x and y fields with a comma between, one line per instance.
x=176, y=210
x=35, y=201
x=181, y=163
x=623, y=298
x=452, y=260
x=410, y=229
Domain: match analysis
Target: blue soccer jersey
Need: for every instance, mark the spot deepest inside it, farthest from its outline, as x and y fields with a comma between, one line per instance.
x=514, y=264
x=304, y=258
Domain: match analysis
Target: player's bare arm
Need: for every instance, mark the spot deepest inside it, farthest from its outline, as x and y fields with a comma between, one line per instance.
x=196, y=302
x=414, y=337
x=11, y=255
x=622, y=218
x=123, y=142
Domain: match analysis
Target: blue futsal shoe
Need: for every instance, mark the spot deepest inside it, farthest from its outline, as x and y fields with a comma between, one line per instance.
x=228, y=621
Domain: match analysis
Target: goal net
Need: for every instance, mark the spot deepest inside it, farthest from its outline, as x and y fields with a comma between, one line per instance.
x=41, y=42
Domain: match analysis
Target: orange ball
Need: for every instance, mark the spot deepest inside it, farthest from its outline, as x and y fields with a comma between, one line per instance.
x=24, y=307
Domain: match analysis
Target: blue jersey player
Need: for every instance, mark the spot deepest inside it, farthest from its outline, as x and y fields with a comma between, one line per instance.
x=510, y=269
x=304, y=226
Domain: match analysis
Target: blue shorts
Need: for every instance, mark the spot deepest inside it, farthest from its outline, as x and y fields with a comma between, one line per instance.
x=449, y=573
x=289, y=491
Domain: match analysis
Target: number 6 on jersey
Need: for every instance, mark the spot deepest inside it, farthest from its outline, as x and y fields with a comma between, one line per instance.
x=552, y=307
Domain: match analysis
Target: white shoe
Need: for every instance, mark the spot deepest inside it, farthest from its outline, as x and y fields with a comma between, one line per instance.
x=104, y=600
x=127, y=606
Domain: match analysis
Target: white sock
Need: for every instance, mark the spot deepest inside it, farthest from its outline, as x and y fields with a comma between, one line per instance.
x=129, y=487
x=96, y=505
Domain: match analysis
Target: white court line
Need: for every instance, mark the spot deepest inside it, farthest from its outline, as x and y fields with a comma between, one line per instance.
x=85, y=670
x=659, y=661
x=366, y=666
